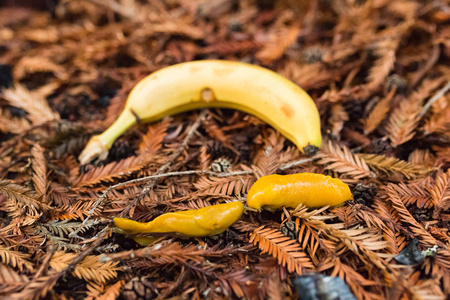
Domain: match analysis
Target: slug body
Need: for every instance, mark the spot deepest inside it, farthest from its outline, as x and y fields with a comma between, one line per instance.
x=201, y=222
x=312, y=190
x=214, y=83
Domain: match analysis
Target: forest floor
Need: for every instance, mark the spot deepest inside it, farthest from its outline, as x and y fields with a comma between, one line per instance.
x=378, y=72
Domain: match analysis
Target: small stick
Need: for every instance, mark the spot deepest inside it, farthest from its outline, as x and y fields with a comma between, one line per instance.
x=436, y=96
x=46, y=262
x=295, y=163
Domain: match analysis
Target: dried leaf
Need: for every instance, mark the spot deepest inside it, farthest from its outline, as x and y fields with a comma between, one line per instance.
x=392, y=165
x=89, y=268
x=378, y=113
x=341, y=160
x=287, y=251
x=37, y=107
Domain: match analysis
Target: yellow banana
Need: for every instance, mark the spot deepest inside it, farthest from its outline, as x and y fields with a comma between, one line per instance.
x=215, y=83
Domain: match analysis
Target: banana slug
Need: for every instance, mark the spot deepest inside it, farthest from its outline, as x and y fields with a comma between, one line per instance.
x=312, y=190
x=201, y=222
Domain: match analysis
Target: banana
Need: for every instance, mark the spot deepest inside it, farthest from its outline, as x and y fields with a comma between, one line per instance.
x=215, y=83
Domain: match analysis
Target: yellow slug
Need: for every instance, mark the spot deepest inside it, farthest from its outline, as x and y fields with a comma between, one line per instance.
x=312, y=190
x=201, y=222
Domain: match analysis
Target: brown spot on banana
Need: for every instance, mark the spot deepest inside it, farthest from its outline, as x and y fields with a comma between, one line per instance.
x=287, y=110
x=207, y=95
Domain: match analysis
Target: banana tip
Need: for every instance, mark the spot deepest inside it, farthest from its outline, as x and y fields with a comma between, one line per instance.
x=94, y=150
x=310, y=150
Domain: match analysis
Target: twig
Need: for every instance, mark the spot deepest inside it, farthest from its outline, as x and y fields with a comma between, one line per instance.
x=100, y=236
x=436, y=96
x=131, y=254
x=46, y=262
x=295, y=163
x=155, y=250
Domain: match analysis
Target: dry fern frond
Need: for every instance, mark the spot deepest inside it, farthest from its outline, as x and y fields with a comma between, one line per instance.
x=267, y=160
x=232, y=185
x=101, y=292
x=442, y=153
x=89, y=269
x=64, y=228
x=275, y=49
x=440, y=268
x=94, y=290
x=414, y=193
x=310, y=240
x=79, y=209
x=428, y=289
x=314, y=75
x=217, y=133
x=112, y=291
x=10, y=277
x=378, y=113
x=117, y=104
x=204, y=158
x=439, y=122
x=371, y=239
x=355, y=281
x=404, y=119
x=21, y=200
x=425, y=237
x=379, y=72
x=288, y=252
x=39, y=165
x=341, y=160
x=347, y=215
x=15, y=259
x=389, y=165
x=423, y=158
x=10, y=124
x=231, y=47
x=37, y=107
x=363, y=242
x=118, y=169
x=338, y=117
x=395, y=240
x=37, y=288
x=440, y=194
x=403, y=122
x=29, y=65
x=386, y=51
x=152, y=141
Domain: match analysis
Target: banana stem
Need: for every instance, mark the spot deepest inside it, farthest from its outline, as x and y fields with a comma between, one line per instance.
x=99, y=145
x=124, y=122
